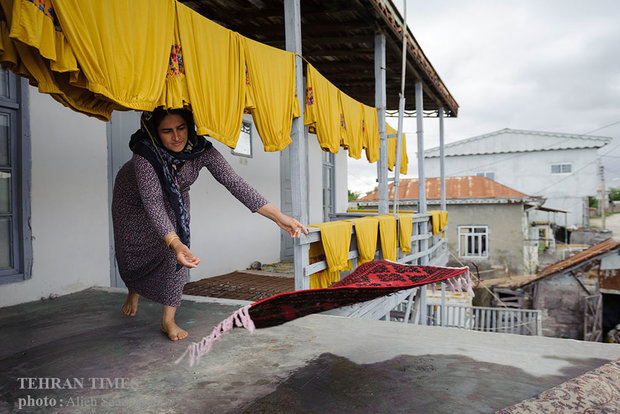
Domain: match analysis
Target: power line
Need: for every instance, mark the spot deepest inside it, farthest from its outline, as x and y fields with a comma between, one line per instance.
x=603, y=127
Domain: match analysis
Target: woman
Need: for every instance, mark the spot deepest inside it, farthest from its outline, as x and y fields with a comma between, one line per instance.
x=150, y=209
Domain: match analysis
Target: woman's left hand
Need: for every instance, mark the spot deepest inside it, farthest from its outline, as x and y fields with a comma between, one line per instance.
x=291, y=226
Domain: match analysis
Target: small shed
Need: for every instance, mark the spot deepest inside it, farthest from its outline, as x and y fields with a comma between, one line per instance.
x=579, y=296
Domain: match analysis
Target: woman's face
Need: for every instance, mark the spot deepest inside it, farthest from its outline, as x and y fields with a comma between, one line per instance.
x=172, y=131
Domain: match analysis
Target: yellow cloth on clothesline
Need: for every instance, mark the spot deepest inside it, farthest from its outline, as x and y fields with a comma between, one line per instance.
x=405, y=227
x=352, y=114
x=404, y=160
x=370, y=133
x=323, y=110
x=34, y=24
x=215, y=72
x=387, y=234
x=366, y=230
x=335, y=243
x=271, y=92
x=439, y=219
x=122, y=53
x=27, y=61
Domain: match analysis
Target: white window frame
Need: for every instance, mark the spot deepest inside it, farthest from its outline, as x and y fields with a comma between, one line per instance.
x=244, y=144
x=562, y=165
x=472, y=236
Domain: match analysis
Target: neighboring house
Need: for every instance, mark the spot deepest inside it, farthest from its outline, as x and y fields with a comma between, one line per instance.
x=579, y=296
x=488, y=222
x=562, y=168
x=57, y=183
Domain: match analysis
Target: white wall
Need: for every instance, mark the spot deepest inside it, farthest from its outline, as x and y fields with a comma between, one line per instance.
x=530, y=173
x=225, y=234
x=69, y=203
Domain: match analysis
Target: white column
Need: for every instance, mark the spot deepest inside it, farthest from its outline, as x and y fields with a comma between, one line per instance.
x=299, y=147
x=380, y=103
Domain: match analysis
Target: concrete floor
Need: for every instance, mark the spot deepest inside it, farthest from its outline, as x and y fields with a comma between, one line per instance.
x=317, y=364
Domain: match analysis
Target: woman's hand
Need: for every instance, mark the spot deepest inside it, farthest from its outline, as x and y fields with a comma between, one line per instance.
x=290, y=225
x=184, y=256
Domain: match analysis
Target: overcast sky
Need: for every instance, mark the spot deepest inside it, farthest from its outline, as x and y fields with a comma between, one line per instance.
x=546, y=65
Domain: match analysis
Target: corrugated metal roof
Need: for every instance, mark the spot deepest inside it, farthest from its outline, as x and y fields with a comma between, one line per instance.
x=515, y=140
x=597, y=249
x=471, y=187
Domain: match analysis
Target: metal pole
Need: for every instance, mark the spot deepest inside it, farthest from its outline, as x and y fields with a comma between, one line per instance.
x=401, y=111
x=299, y=147
x=419, y=109
x=603, y=195
x=380, y=102
x=442, y=175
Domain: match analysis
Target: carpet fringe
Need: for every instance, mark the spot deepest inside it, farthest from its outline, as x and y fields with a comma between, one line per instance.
x=196, y=350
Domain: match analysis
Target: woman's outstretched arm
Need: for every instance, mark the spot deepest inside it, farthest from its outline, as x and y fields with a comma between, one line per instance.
x=289, y=224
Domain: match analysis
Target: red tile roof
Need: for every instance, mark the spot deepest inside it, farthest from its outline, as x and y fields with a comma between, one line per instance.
x=456, y=187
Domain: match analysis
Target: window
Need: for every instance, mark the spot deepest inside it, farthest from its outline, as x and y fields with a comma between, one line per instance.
x=473, y=241
x=489, y=174
x=329, y=185
x=15, y=240
x=244, y=144
x=562, y=168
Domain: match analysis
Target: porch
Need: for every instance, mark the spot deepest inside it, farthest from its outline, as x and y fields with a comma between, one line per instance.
x=317, y=364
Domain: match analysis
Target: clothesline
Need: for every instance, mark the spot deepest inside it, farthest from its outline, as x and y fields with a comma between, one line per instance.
x=97, y=57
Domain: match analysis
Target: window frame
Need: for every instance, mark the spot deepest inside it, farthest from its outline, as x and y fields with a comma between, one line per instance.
x=486, y=174
x=248, y=125
x=561, y=165
x=473, y=234
x=17, y=105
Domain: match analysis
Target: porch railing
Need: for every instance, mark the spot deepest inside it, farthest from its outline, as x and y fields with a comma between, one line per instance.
x=425, y=248
x=477, y=318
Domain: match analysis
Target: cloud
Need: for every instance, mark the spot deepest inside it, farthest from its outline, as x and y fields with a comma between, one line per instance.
x=543, y=65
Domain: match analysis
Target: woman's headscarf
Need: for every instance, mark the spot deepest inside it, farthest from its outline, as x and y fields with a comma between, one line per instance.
x=146, y=142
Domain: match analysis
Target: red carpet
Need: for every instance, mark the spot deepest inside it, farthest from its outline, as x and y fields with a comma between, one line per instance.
x=369, y=281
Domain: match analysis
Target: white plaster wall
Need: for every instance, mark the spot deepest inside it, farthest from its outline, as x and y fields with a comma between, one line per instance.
x=226, y=236
x=530, y=173
x=69, y=201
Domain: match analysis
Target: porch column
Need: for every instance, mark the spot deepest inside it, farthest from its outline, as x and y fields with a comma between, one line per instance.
x=299, y=147
x=419, y=110
x=380, y=103
x=442, y=175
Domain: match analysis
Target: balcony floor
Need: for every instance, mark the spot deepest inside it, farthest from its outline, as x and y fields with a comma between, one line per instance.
x=319, y=363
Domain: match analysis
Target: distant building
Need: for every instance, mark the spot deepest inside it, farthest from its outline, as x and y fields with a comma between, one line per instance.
x=562, y=168
x=489, y=224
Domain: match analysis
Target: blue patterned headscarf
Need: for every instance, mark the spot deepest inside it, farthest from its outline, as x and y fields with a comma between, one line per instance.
x=146, y=142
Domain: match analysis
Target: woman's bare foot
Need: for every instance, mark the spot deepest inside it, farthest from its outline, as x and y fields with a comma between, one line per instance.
x=169, y=327
x=174, y=332
x=131, y=303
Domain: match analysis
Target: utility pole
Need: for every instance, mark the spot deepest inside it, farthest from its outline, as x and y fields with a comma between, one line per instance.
x=603, y=195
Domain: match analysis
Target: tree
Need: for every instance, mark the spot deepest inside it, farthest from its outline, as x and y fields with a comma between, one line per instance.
x=353, y=195
x=614, y=194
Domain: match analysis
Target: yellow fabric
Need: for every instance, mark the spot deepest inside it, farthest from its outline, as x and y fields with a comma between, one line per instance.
x=335, y=242
x=370, y=133
x=439, y=219
x=405, y=227
x=323, y=110
x=366, y=231
x=404, y=160
x=387, y=233
x=215, y=73
x=33, y=24
x=175, y=93
x=351, y=130
x=271, y=90
x=123, y=54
